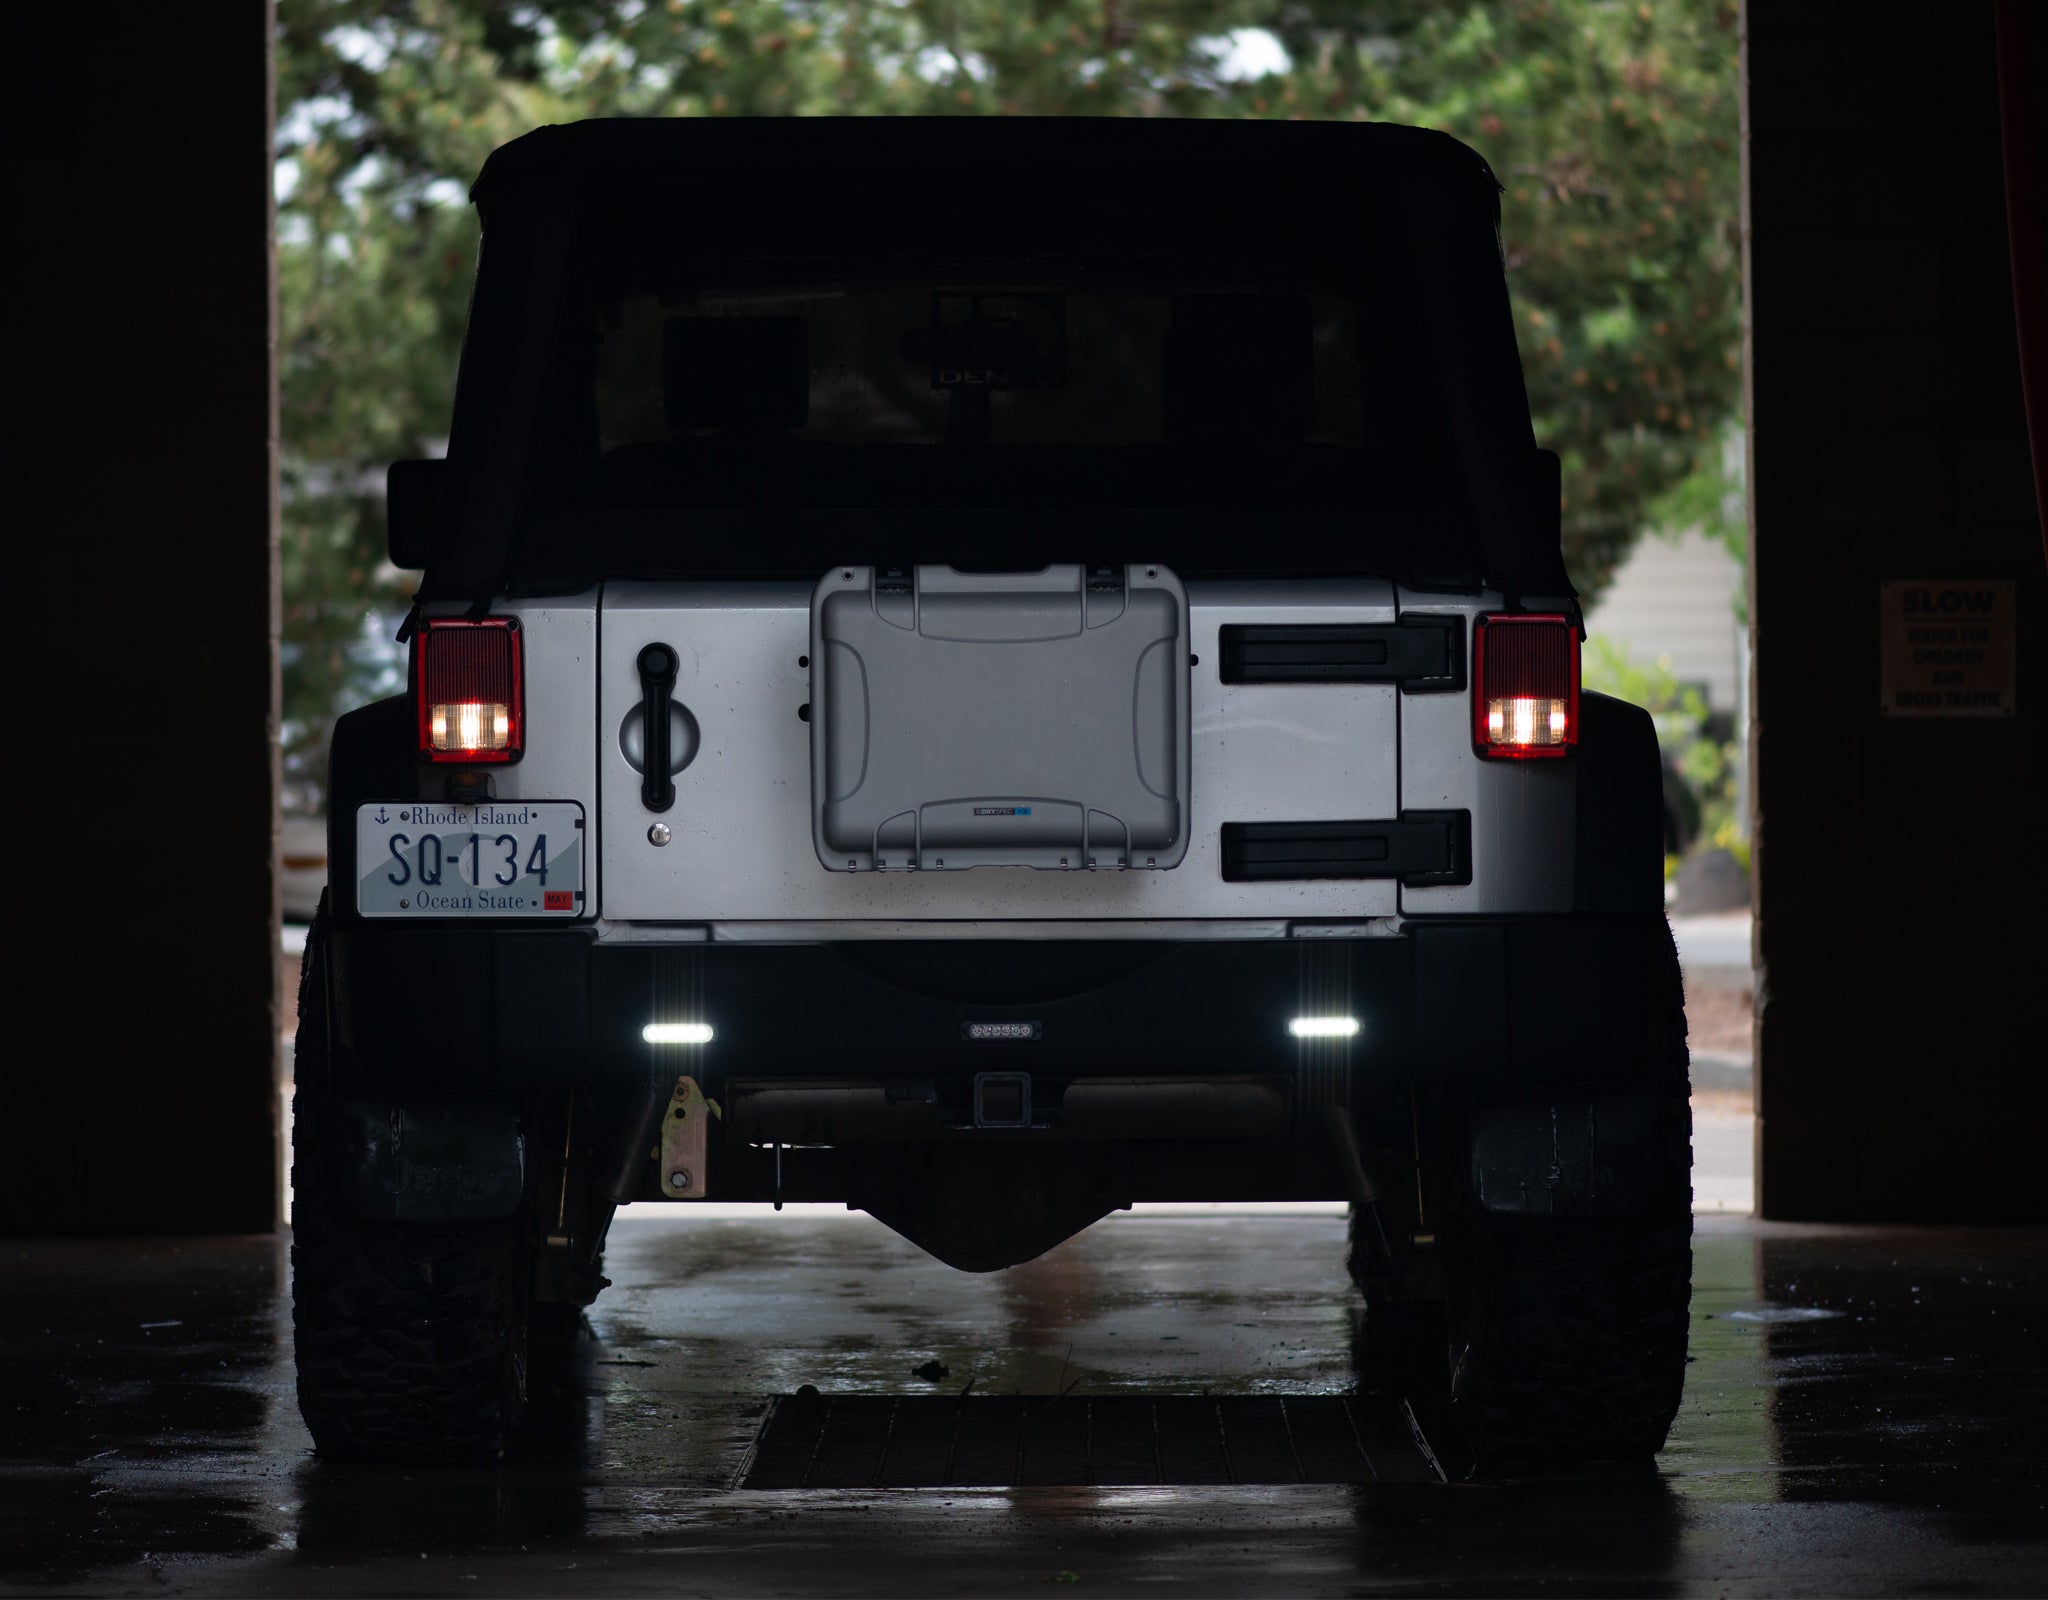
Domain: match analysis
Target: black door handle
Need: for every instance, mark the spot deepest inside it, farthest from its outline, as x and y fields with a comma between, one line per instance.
x=657, y=686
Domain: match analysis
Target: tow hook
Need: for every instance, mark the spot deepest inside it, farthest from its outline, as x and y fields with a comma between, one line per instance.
x=684, y=1138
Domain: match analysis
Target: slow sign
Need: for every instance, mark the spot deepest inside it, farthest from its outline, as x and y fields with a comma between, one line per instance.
x=1946, y=648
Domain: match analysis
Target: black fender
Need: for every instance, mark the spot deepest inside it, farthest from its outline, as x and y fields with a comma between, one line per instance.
x=1619, y=833
x=374, y=755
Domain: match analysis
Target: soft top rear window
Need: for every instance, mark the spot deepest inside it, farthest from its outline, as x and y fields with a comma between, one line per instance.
x=1055, y=393
x=768, y=372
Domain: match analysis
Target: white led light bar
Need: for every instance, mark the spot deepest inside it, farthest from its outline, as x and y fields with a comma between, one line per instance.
x=1323, y=1027
x=677, y=1033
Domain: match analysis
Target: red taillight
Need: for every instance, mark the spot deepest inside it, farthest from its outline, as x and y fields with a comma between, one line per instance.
x=1525, y=686
x=466, y=684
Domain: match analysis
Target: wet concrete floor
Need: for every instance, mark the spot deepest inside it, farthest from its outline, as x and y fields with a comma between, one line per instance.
x=1865, y=1415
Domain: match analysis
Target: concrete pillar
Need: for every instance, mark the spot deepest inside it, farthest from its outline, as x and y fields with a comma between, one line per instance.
x=1899, y=863
x=143, y=688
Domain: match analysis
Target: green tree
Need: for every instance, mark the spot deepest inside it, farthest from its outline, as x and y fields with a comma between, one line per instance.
x=1612, y=128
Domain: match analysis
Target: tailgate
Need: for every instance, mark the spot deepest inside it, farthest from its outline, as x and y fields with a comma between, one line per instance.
x=977, y=747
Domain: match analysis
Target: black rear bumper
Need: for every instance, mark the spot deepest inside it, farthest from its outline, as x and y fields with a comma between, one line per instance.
x=1554, y=999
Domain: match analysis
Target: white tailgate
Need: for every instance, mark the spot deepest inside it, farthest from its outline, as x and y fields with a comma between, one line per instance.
x=741, y=838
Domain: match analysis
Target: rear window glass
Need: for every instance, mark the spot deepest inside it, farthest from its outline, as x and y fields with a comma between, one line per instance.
x=924, y=394
x=1032, y=363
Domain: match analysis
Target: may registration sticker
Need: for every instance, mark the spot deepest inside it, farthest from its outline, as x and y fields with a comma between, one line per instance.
x=498, y=858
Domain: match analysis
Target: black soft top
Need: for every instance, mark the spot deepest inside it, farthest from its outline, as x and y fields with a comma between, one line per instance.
x=1430, y=204
x=1079, y=144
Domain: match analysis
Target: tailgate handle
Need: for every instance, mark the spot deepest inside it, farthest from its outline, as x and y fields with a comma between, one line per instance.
x=657, y=687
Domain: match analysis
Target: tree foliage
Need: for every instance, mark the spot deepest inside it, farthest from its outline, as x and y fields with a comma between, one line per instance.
x=1611, y=127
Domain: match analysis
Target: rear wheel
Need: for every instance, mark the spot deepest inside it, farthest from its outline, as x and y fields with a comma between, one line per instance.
x=411, y=1338
x=1571, y=1347
x=1566, y=1335
x=1569, y=1333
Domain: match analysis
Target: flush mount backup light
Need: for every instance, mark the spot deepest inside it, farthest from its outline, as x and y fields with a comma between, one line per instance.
x=466, y=682
x=1525, y=686
x=1324, y=1027
x=677, y=1033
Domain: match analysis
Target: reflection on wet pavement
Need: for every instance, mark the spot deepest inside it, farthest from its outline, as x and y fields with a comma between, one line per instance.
x=1864, y=1416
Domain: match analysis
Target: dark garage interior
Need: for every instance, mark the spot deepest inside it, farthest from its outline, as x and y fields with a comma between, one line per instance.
x=1864, y=1404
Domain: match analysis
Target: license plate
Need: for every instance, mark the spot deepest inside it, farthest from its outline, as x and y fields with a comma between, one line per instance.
x=498, y=858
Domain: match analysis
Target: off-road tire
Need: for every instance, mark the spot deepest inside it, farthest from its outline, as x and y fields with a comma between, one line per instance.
x=410, y=1337
x=1569, y=1333
x=1574, y=1352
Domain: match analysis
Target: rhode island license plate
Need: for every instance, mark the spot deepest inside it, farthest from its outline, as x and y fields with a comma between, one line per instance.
x=499, y=858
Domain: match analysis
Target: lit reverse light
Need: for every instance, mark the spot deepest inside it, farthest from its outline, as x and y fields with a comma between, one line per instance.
x=1323, y=1027
x=470, y=725
x=677, y=1033
x=1527, y=721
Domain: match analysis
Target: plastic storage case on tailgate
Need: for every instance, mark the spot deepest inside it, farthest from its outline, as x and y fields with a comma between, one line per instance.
x=964, y=719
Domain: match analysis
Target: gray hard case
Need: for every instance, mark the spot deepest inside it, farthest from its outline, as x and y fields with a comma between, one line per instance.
x=969, y=719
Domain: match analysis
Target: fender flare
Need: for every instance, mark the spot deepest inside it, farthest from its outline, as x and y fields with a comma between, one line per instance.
x=373, y=756
x=1619, y=832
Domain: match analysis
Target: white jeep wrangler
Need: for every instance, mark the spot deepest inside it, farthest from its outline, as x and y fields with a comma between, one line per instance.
x=990, y=671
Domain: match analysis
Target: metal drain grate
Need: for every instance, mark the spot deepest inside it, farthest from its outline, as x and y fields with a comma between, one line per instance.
x=953, y=1441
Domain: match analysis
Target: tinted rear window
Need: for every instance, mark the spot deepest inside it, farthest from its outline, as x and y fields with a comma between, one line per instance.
x=934, y=393
x=1161, y=371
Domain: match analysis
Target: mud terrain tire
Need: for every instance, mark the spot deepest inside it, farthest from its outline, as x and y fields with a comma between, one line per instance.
x=1569, y=1333
x=410, y=1337
x=1575, y=1351
x=1567, y=1336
